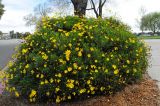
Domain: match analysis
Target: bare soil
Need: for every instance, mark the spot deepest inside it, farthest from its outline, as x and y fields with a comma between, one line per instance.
x=144, y=93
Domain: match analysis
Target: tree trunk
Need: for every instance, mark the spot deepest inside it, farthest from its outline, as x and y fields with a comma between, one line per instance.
x=80, y=7
x=100, y=9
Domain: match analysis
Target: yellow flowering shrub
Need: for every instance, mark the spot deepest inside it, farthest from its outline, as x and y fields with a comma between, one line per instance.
x=76, y=58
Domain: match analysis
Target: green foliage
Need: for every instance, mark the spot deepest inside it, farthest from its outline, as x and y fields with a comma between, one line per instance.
x=76, y=58
x=151, y=22
x=1, y=8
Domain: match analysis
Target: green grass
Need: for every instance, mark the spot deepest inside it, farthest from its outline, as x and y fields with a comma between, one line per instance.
x=149, y=37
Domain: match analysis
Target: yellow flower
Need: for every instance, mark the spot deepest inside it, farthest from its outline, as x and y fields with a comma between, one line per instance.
x=62, y=61
x=88, y=82
x=116, y=71
x=41, y=76
x=27, y=66
x=75, y=65
x=107, y=59
x=74, y=93
x=93, y=66
x=137, y=54
x=32, y=72
x=82, y=91
x=67, y=52
x=42, y=83
x=24, y=51
x=79, y=53
x=91, y=49
x=92, y=88
x=74, y=72
x=46, y=81
x=106, y=71
x=45, y=65
x=134, y=70
x=70, y=83
x=115, y=48
x=65, y=71
x=57, y=89
x=70, y=45
x=51, y=80
x=77, y=48
x=44, y=56
x=24, y=71
x=53, y=41
x=60, y=30
x=58, y=99
x=81, y=34
x=69, y=97
x=48, y=93
x=58, y=80
x=10, y=63
x=95, y=61
x=16, y=94
x=96, y=71
x=69, y=69
x=37, y=76
x=13, y=88
x=140, y=50
x=127, y=71
x=79, y=68
x=32, y=99
x=59, y=75
x=89, y=55
x=128, y=62
x=114, y=66
x=93, y=92
x=67, y=34
x=33, y=93
x=102, y=88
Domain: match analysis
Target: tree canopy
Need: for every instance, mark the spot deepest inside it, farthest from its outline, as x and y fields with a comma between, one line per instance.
x=151, y=22
x=41, y=10
x=1, y=8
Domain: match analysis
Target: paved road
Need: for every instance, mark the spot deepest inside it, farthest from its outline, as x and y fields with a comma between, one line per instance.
x=154, y=70
x=6, y=50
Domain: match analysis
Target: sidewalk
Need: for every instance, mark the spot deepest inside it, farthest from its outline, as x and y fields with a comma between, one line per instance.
x=154, y=70
x=6, y=50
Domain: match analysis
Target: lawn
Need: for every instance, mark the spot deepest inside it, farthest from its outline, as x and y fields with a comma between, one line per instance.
x=149, y=37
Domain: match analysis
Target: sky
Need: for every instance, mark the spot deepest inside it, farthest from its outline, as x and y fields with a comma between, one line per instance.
x=126, y=10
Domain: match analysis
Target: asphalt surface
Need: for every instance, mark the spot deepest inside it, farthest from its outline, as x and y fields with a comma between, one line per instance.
x=7, y=48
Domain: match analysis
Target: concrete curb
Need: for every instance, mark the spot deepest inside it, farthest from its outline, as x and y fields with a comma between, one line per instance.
x=5, y=68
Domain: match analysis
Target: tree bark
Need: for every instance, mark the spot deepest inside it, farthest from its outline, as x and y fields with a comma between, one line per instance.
x=80, y=7
x=100, y=7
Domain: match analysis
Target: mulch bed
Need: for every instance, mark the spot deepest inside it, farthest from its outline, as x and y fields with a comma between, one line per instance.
x=144, y=93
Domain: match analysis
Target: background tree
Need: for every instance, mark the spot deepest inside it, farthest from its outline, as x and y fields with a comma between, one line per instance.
x=142, y=12
x=80, y=6
x=97, y=10
x=60, y=7
x=151, y=22
x=41, y=10
x=1, y=34
x=1, y=8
